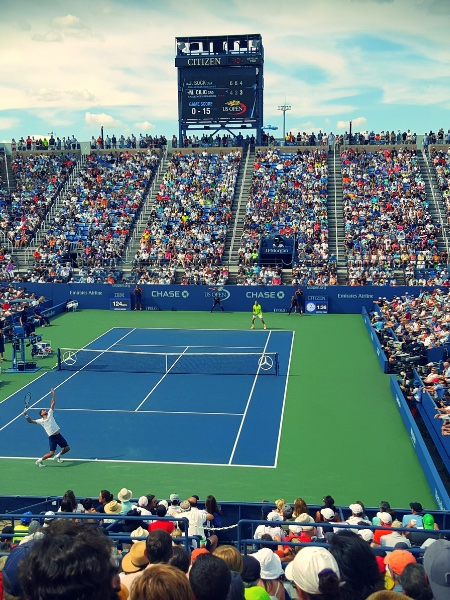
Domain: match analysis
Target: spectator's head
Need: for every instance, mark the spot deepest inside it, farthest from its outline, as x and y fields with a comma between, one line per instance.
x=231, y=556
x=136, y=559
x=162, y=582
x=287, y=511
x=251, y=571
x=174, y=499
x=428, y=521
x=315, y=572
x=328, y=502
x=161, y=510
x=211, y=505
x=416, y=508
x=357, y=509
x=71, y=560
x=105, y=497
x=158, y=546
x=414, y=582
x=397, y=561
x=357, y=564
x=299, y=507
x=193, y=500
x=385, y=518
x=436, y=562
x=180, y=559
x=210, y=578
x=11, y=580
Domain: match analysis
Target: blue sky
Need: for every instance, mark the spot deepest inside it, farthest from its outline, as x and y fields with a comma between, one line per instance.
x=71, y=67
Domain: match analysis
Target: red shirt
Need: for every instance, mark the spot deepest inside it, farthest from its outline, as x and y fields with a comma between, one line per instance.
x=166, y=525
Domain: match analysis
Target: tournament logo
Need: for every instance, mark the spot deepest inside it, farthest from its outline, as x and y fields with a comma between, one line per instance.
x=218, y=291
x=265, y=362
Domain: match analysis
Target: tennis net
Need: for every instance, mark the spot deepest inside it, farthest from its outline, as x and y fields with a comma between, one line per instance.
x=220, y=363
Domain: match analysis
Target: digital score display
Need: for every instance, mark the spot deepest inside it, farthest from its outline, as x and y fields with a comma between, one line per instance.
x=218, y=93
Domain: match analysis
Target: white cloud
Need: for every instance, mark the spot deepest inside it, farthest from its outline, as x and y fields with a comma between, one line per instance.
x=356, y=123
x=101, y=119
x=50, y=36
x=144, y=126
x=68, y=22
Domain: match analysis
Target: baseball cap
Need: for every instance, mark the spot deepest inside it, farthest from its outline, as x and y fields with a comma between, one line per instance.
x=428, y=521
x=270, y=563
x=398, y=559
x=274, y=516
x=25, y=520
x=356, y=509
x=11, y=581
x=328, y=513
x=436, y=562
x=307, y=565
x=251, y=570
x=174, y=498
x=385, y=517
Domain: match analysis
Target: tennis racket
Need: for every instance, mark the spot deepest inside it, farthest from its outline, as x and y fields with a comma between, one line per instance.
x=27, y=400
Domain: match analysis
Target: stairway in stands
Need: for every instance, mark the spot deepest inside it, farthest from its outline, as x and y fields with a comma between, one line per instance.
x=336, y=232
x=434, y=198
x=234, y=233
x=144, y=215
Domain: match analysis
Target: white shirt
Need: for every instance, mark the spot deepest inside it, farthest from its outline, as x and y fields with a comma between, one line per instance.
x=49, y=424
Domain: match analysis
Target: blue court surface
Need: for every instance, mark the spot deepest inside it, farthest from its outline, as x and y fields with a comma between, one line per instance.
x=164, y=417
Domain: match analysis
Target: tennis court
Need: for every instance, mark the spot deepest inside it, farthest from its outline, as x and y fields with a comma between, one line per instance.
x=146, y=386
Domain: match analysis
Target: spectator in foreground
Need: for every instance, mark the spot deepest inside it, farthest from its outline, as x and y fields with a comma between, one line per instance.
x=71, y=560
x=357, y=565
x=315, y=573
x=437, y=567
x=414, y=582
x=162, y=582
x=210, y=578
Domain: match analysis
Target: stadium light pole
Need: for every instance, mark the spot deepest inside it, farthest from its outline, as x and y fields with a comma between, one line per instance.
x=284, y=107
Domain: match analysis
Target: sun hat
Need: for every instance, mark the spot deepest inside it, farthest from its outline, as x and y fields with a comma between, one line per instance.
x=113, y=507
x=308, y=564
x=303, y=519
x=143, y=501
x=185, y=506
x=135, y=559
x=124, y=495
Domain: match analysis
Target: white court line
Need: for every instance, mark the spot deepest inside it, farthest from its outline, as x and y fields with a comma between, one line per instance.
x=248, y=404
x=143, y=412
x=162, y=379
x=145, y=462
x=60, y=384
x=284, y=401
x=190, y=346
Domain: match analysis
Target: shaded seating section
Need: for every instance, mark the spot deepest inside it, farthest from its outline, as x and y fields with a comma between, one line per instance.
x=257, y=275
x=387, y=222
x=97, y=215
x=39, y=178
x=188, y=224
x=288, y=198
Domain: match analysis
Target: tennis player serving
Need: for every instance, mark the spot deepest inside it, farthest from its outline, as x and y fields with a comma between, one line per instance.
x=257, y=312
x=51, y=427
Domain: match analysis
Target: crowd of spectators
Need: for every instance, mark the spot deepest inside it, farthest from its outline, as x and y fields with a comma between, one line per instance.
x=331, y=140
x=413, y=329
x=129, y=142
x=288, y=198
x=191, y=214
x=38, y=179
x=71, y=553
x=387, y=222
x=95, y=218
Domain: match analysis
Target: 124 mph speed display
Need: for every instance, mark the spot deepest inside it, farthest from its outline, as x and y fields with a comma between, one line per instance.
x=218, y=93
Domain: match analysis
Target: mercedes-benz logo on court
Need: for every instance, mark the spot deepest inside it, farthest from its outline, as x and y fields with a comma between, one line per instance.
x=265, y=362
x=69, y=358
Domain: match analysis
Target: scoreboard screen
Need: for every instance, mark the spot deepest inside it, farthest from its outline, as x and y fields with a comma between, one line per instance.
x=218, y=93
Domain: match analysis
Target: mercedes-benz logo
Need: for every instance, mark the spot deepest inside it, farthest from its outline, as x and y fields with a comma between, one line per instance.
x=69, y=358
x=265, y=362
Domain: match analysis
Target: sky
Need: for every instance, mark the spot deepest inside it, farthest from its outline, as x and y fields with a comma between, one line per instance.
x=72, y=67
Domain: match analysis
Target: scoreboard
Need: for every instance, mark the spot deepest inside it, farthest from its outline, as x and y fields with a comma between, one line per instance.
x=218, y=93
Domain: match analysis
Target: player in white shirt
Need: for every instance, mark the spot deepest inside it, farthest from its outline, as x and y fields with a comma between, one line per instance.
x=51, y=427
